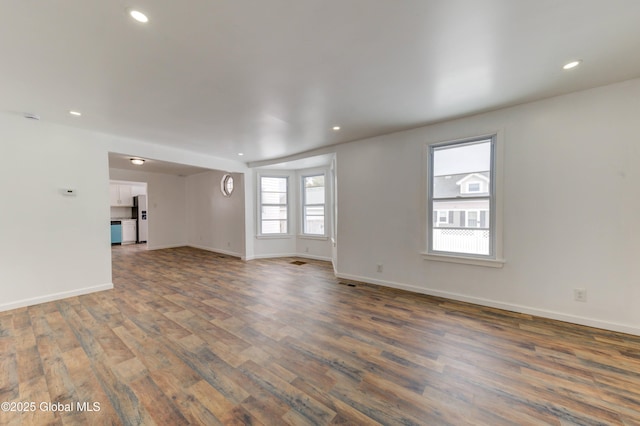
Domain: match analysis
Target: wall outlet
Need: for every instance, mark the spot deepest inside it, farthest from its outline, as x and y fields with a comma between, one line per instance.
x=580, y=294
x=228, y=243
x=380, y=268
x=306, y=249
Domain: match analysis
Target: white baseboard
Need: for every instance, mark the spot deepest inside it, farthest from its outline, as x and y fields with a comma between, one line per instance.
x=574, y=319
x=314, y=257
x=215, y=250
x=54, y=296
x=165, y=246
x=277, y=255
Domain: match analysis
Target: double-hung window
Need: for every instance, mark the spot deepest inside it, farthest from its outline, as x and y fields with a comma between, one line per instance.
x=274, y=205
x=462, y=180
x=313, y=205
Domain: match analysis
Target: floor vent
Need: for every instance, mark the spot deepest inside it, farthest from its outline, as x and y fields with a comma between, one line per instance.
x=347, y=284
x=298, y=262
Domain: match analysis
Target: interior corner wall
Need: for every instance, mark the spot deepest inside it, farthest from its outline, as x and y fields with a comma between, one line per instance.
x=166, y=206
x=52, y=245
x=216, y=222
x=571, y=208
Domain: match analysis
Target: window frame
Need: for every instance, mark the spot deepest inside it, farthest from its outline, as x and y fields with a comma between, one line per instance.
x=226, y=178
x=260, y=233
x=495, y=257
x=303, y=204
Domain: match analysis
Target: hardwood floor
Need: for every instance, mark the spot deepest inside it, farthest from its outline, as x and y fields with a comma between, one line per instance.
x=192, y=337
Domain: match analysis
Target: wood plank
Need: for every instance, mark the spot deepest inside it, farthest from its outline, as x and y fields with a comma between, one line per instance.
x=192, y=337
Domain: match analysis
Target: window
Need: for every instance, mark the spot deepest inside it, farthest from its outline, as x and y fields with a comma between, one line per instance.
x=473, y=187
x=273, y=205
x=226, y=185
x=313, y=205
x=461, y=179
x=473, y=220
x=443, y=216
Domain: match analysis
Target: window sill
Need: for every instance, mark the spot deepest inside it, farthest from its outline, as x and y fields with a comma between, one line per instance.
x=312, y=237
x=491, y=263
x=274, y=237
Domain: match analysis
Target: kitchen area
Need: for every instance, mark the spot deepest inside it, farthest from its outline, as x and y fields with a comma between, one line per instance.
x=128, y=201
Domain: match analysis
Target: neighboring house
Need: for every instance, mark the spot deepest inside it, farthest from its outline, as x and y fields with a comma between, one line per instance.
x=456, y=203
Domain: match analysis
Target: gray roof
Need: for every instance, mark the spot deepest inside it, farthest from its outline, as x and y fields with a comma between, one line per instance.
x=445, y=186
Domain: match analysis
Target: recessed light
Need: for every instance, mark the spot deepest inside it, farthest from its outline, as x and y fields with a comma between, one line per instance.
x=336, y=128
x=240, y=154
x=571, y=65
x=139, y=16
x=76, y=113
x=137, y=161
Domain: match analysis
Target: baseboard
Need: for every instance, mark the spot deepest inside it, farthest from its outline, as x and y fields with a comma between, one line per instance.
x=165, y=247
x=54, y=296
x=559, y=316
x=277, y=255
x=219, y=251
x=313, y=257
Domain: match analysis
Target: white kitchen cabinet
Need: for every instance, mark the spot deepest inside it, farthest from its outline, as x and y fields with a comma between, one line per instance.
x=120, y=195
x=129, y=231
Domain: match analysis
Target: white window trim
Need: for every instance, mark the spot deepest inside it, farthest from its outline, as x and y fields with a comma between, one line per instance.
x=304, y=175
x=259, y=234
x=497, y=261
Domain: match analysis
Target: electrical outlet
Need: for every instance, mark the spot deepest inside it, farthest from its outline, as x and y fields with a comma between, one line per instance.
x=380, y=267
x=580, y=294
x=228, y=243
x=306, y=249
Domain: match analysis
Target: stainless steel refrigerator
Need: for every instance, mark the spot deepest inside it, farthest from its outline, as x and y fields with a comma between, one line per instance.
x=140, y=213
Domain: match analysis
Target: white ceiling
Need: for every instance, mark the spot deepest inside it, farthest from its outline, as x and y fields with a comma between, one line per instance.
x=270, y=78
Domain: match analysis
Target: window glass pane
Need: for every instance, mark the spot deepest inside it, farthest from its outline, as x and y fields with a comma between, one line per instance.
x=314, y=225
x=274, y=198
x=273, y=209
x=274, y=226
x=454, y=166
x=468, y=232
x=274, y=212
x=314, y=195
x=314, y=210
x=314, y=181
x=273, y=184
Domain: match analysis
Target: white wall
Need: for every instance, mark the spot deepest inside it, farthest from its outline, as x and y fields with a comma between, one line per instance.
x=166, y=205
x=216, y=222
x=51, y=246
x=571, y=209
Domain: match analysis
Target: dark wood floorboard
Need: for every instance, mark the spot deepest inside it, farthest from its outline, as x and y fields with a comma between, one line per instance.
x=193, y=337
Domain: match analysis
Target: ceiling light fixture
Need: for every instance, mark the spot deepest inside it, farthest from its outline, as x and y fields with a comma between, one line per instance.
x=76, y=113
x=137, y=161
x=138, y=16
x=240, y=154
x=336, y=128
x=572, y=64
